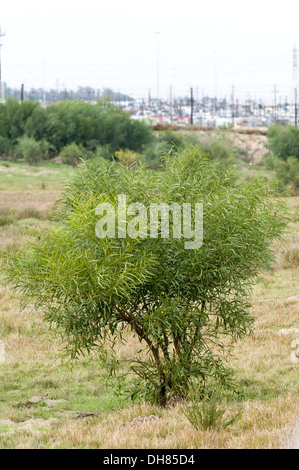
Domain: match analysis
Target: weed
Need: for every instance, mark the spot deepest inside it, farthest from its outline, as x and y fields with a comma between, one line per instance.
x=209, y=412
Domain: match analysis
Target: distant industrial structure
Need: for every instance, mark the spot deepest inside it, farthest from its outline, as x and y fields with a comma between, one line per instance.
x=212, y=112
x=208, y=111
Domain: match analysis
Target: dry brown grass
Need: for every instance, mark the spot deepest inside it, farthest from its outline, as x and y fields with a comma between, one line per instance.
x=42, y=201
x=261, y=365
x=262, y=426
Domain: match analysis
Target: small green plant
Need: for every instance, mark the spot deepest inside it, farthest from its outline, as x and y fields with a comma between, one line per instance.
x=30, y=150
x=210, y=411
x=126, y=157
x=47, y=150
x=288, y=173
x=4, y=146
x=103, y=151
x=220, y=152
x=5, y=220
x=284, y=141
x=71, y=154
x=176, y=301
x=6, y=216
x=29, y=213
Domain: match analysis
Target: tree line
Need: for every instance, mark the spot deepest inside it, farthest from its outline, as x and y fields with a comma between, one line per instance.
x=69, y=122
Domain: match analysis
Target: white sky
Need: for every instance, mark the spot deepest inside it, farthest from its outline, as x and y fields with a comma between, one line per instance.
x=209, y=45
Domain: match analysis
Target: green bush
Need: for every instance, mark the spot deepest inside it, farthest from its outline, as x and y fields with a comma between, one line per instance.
x=127, y=157
x=288, y=173
x=220, y=152
x=210, y=411
x=30, y=150
x=88, y=125
x=4, y=147
x=5, y=220
x=66, y=122
x=103, y=151
x=184, y=305
x=153, y=153
x=71, y=154
x=163, y=143
x=284, y=141
x=47, y=149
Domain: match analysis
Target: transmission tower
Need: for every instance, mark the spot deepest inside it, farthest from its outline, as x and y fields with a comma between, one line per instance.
x=1, y=93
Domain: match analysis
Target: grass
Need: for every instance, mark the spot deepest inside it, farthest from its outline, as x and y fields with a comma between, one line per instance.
x=19, y=176
x=91, y=415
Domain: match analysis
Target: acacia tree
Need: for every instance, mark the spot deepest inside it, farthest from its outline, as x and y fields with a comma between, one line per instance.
x=181, y=303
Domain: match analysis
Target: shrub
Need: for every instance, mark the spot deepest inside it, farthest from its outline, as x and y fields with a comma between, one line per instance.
x=209, y=411
x=126, y=157
x=103, y=151
x=288, y=256
x=153, y=153
x=30, y=149
x=182, y=304
x=4, y=146
x=220, y=152
x=47, y=150
x=284, y=141
x=5, y=220
x=288, y=173
x=71, y=154
x=165, y=142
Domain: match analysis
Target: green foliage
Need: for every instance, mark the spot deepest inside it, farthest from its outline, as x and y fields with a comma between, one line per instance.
x=47, y=149
x=153, y=153
x=183, y=305
x=284, y=141
x=288, y=172
x=209, y=411
x=165, y=142
x=127, y=157
x=71, y=154
x=4, y=146
x=221, y=152
x=67, y=122
x=5, y=220
x=171, y=139
x=30, y=150
x=13, y=118
x=103, y=151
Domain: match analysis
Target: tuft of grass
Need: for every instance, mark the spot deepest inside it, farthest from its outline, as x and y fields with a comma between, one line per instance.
x=29, y=213
x=288, y=252
x=210, y=411
x=5, y=220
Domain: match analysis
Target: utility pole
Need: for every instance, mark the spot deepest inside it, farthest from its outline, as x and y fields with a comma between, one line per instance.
x=22, y=92
x=1, y=97
x=191, y=121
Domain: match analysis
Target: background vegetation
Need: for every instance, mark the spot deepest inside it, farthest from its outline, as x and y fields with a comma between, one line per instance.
x=47, y=403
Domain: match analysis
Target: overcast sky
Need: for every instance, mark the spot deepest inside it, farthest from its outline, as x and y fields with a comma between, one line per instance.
x=209, y=45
